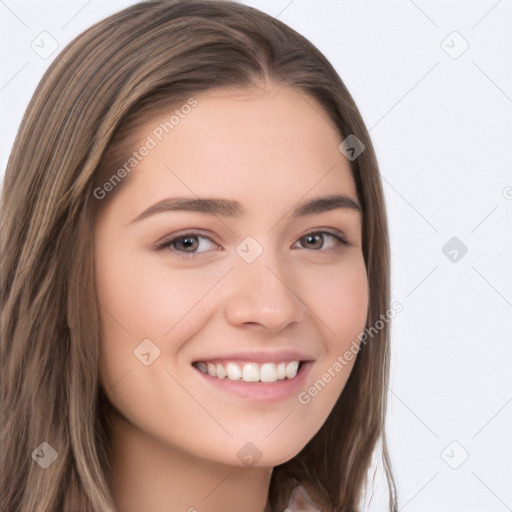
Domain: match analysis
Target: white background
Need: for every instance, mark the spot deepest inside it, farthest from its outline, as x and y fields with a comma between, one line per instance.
x=442, y=128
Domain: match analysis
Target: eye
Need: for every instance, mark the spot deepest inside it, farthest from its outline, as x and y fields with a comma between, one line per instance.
x=316, y=240
x=185, y=245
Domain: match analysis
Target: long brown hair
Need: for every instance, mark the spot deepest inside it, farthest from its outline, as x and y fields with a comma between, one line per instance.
x=106, y=82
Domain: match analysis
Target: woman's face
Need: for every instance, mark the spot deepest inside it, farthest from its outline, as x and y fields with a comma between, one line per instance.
x=239, y=283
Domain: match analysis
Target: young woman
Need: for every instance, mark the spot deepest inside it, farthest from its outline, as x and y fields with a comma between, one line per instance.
x=194, y=250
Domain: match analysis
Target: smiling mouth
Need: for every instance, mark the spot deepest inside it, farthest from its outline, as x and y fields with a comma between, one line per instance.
x=250, y=371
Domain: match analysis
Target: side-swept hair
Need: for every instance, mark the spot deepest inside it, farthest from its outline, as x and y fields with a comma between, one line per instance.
x=107, y=81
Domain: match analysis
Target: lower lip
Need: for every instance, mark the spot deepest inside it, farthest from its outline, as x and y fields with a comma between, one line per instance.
x=261, y=391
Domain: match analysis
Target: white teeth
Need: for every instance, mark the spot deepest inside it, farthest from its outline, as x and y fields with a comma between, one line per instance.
x=221, y=373
x=268, y=372
x=291, y=369
x=251, y=372
x=233, y=371
x=212, y=370
x=281, y=371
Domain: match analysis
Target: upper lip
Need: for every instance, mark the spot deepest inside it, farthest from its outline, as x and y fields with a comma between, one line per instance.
x=259, y=357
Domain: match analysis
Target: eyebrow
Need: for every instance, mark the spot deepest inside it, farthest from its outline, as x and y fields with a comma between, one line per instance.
x=234, y=209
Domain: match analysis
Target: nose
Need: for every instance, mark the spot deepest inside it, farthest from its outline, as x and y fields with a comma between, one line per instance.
x=262, y=295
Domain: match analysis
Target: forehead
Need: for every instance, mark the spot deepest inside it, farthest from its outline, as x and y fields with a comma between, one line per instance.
x=261, y=146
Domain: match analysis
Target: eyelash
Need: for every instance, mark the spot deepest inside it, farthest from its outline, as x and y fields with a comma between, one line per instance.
x=167, y=244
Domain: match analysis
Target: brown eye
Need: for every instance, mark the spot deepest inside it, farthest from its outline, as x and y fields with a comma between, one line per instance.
x=318, y=239
x=313, y=241
x=187, y=244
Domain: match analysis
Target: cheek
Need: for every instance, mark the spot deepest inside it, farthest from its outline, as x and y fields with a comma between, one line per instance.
x=146, y=297
x=142, y=298
x=339, y=301
x=339, y=298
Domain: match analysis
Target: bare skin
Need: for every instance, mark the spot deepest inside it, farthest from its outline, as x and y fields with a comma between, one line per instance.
x=177, y=438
